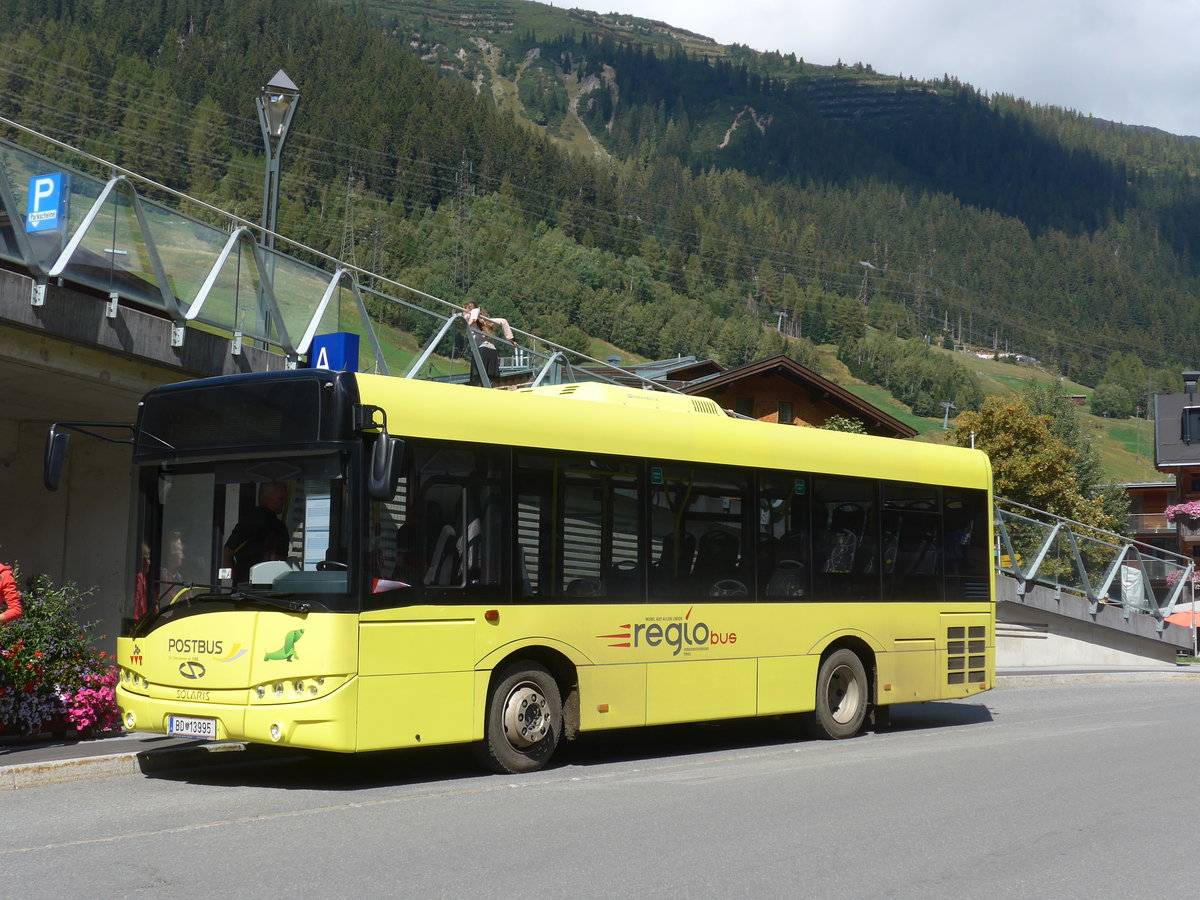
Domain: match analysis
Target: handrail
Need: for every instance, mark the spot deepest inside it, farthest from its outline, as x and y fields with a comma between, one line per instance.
x=1037, y=547
x=226, y=263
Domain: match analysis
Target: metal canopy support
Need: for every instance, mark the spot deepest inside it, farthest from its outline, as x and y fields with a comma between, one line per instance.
x=9, y=202
x=170, y=303
x=436, y=340
x=315, y=322
x=555, y=358
x=245, y=237
x=430, y=346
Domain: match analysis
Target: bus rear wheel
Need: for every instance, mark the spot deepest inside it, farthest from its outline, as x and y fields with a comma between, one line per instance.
x=524, y=719
x=842, y=696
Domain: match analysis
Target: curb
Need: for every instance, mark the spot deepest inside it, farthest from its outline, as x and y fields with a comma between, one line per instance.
x=1012, y=681
x=143, y=762
x=23, y=775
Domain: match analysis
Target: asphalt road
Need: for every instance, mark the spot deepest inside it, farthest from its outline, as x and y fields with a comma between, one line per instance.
x=1063, y=791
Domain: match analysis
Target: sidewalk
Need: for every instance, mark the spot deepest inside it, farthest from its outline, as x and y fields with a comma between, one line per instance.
x=33, y=762
x=1027, y=677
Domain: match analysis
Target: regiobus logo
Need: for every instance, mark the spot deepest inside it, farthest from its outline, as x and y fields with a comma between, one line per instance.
x=677, y=632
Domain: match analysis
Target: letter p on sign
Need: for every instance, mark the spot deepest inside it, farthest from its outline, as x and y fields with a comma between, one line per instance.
x=46, y=203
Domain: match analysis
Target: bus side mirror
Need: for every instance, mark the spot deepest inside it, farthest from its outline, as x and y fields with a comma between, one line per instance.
x=57, y=443
x=385, y=466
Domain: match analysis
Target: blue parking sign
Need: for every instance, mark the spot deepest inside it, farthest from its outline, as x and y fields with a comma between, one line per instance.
x=47, y=209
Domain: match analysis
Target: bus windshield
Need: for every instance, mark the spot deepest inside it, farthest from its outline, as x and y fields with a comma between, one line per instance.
x=242, y=530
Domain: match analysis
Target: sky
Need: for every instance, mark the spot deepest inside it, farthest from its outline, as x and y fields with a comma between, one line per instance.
x=1131, y=61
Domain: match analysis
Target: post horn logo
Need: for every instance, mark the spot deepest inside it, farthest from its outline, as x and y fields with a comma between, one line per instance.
x=191, y=670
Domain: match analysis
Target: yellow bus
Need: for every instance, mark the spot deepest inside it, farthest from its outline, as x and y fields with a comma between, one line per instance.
x=351, y=562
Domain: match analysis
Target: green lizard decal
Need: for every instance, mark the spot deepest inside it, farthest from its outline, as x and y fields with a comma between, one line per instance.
x=288, y=650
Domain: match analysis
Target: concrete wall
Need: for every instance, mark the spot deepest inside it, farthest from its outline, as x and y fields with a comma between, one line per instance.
x=68, y=361
x=77, y=533
x=1041, y=628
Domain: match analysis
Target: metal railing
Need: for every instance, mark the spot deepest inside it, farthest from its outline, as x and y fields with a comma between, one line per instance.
x=130, y=240
x=1037, y=547
x=1149, y=523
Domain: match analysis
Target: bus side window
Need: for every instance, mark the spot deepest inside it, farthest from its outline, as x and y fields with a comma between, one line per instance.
x=462, y=517
x=443, y=530
x=391, y=540
x=701, y=512
x=783, y=536
x=912, y=554
x=845, y=539
x=578, y=527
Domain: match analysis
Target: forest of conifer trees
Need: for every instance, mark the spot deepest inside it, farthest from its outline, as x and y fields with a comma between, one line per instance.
x=846, y=199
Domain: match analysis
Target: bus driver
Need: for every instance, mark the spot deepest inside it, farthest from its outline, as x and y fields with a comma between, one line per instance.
x=259, y=535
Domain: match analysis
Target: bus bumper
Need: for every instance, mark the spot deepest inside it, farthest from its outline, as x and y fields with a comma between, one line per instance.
x=324, y=723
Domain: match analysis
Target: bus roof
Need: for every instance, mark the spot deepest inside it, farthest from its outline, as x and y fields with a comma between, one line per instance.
x=610, y=419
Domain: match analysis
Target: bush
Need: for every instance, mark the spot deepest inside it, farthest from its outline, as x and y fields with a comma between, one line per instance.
x=50, y=673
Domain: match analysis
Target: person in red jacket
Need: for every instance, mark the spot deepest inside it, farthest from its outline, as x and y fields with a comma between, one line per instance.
x=10, y=595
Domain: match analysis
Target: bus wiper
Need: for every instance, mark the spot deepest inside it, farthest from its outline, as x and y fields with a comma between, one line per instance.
x=280, y=601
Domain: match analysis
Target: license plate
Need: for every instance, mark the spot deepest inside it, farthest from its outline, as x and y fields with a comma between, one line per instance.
x=192, y=726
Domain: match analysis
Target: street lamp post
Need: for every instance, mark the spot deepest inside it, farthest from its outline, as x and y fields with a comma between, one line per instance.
x=276, y=105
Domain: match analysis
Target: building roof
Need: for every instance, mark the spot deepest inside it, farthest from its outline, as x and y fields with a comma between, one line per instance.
x=1176, y=446
x=819, y=388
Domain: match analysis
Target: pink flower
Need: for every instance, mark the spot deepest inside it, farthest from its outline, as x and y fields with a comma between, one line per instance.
x=1189, y=511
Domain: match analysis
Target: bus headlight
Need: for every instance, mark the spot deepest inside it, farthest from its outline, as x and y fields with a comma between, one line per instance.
x=301, y=689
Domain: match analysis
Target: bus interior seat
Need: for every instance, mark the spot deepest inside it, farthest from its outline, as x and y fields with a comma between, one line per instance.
x=522, y=565
x=788, y=579
x=585, y=587
x=918, y=555
x=443, y=559
x=764, y=552
x=728, y=587
x=846, y=526
x=678, y=552
x=717, y=556
x=468, y=549
x=623, y=578
x=407, y=565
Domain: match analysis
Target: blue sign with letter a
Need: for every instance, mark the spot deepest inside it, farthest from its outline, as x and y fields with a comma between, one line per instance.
x=48, y=198
x=337, y=351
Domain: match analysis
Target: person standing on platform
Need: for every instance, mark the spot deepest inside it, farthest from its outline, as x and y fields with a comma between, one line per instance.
x=483, y=333
x=10, y=595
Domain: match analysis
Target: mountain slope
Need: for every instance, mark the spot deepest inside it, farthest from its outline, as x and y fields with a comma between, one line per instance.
x=680, y=195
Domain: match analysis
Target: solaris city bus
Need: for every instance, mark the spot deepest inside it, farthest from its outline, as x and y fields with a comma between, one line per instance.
x=511, y=568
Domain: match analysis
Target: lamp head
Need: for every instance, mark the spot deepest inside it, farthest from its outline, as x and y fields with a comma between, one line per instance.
x=277, y=104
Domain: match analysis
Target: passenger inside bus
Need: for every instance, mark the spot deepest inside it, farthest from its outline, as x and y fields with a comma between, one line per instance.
x=259, y=535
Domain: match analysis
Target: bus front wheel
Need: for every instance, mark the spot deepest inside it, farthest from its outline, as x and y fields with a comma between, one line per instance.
x=524, y=719
x=841, y=695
